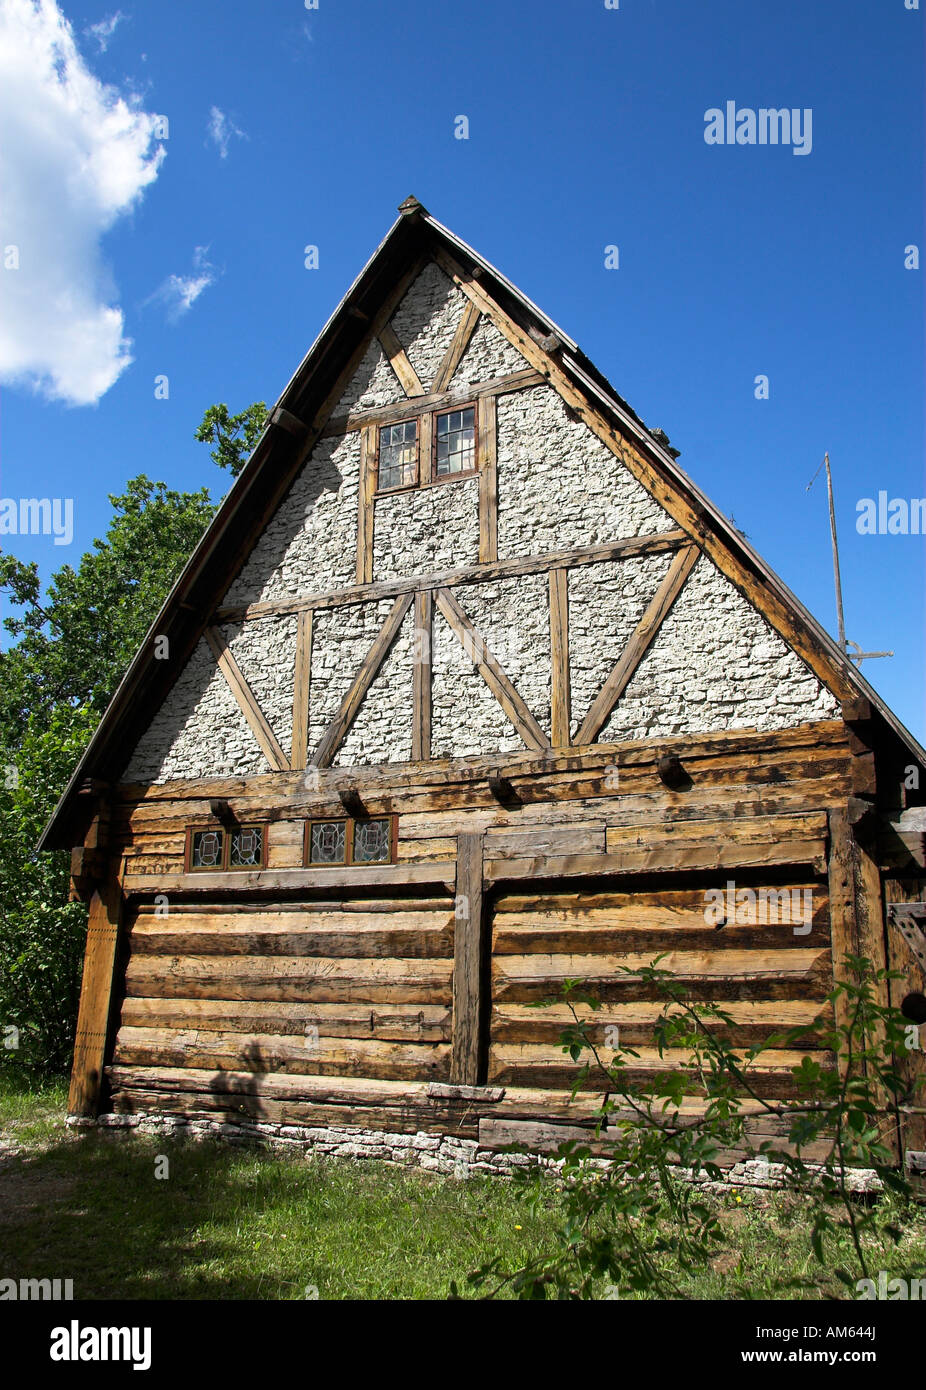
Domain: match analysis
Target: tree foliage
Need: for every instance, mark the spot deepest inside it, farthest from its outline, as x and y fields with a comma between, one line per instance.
x=73, y=635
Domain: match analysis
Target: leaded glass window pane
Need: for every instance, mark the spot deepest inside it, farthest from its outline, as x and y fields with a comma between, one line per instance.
x=372, y=842
x=207, y=849
x=456, y=441
x=247, y=847
x=328, y=842
x=398, y=455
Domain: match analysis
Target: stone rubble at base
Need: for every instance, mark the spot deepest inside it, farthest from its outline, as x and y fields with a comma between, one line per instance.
x=437, y=1153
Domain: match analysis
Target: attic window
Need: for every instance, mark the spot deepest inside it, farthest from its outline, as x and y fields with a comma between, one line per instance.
x=455, y=442
x=398, y=455
x=351, y=841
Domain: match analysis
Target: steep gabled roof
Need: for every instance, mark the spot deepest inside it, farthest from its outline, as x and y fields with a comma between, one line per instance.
x=297, y=419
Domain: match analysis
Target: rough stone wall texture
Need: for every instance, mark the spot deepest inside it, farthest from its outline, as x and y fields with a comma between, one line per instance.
x=488, y=354
x=382, y=731
x=200, y=731
x=605, y=604
x=426, y=320
x=513, y=618
x=311, y=541
x=558, y=485
x=717, y=664
x=433, y=528
x=439, y=1153
x=341, y=639
x=373, y=384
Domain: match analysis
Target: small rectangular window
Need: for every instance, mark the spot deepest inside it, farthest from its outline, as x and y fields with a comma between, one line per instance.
x=232, y=847
x=372, y=841
x=206, y=849
x=328, y=842
x=398, y=456
x=455, y=442
x=247, y=847
x=351, y=841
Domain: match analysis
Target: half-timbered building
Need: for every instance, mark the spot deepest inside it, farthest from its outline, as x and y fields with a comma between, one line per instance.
x=469, y=689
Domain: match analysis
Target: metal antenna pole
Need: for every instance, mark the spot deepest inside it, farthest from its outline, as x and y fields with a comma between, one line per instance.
x=839, y=613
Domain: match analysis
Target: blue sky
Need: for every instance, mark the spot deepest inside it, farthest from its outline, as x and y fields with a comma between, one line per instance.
x=586, y=129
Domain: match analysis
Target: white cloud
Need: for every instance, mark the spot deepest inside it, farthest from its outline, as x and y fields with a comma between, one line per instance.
x=75, y=156
x=178, y=293
x=104, y=31
x=222, y=130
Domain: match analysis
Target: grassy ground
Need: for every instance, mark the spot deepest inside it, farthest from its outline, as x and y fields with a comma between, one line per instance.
x=227, y=1223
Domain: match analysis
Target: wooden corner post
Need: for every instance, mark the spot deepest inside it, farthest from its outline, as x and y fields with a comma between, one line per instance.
x=470, y=1010
x=95, y=996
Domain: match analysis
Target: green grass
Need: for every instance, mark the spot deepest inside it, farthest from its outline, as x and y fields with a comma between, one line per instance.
x=231, y=1223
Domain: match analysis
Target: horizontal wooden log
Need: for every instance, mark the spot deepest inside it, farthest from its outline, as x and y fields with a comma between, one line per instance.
x=274, y=880
x=398, y=1022
x=218, y=940
x=310, y=979
x=682, y=857
x=433, y=400
x=269, y=1053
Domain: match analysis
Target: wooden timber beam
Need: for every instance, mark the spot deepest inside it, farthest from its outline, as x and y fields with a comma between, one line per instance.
x=95, y=997
x=474, y=645
x=686, y=512
x=369, y=669
x=398, y=361
x=301, y=685
x=434, y=400
x=421, y=678
x=366, y=493
x=324, y=881
x=655, y=544
x=454, y=354
x=640, y=640
x=248, y=705
x=560, y=704
x=469, y=951
x=487, y=434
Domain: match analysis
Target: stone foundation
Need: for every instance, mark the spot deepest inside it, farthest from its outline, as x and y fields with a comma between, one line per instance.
x=436, y=1153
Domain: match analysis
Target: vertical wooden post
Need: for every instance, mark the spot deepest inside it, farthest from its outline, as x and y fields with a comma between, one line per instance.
x=487, y=431
x=425, y=447
x=95, y=996
x=559, y=658
x=469, y=1005
x=421, y=679
x=301, y=685
x=366, y=504
x=857, y=928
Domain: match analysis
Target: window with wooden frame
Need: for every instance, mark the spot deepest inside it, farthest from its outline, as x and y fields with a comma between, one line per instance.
x=217, y=848
x=343, y=841
x=448, y=438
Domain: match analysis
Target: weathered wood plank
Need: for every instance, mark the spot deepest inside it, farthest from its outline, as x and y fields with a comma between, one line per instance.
x=301, y=689
x=366, y=492
x=469, y=1004
x=95, y=997
x=368, y=592
x=260, y=881
x=487, y=436
x=244, y=696
x=474, y=645
x=434, y=400
x=398, y=361
x=561, y=704
x=640, y=641
x=459, y=343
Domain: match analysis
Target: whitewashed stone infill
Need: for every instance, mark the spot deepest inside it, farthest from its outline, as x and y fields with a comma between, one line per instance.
x=717, y=664
x=382, y=731
x=310, y=543
x=430, y=529
x=558, y=485
x=200, y=730
x=426, y=320
x=487, y=355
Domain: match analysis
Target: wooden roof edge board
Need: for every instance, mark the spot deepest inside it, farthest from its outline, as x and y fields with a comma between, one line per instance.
x=404, y=243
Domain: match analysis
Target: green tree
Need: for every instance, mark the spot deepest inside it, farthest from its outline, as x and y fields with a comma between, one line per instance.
x=232, y=436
